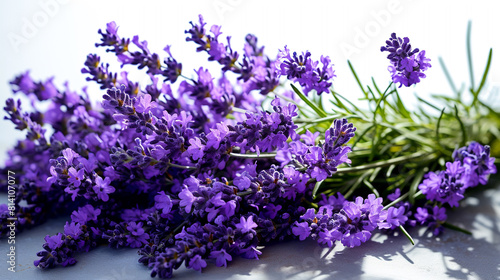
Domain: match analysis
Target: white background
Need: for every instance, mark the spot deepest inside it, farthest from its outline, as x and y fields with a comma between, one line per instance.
x=52, y=38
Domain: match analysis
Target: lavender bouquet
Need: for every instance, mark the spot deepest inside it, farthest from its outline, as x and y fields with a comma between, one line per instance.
x=198, y=168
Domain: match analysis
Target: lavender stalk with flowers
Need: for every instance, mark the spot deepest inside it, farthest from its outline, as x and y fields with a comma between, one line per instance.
x=191, y=170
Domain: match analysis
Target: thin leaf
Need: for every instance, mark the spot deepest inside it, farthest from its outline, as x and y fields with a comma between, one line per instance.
x=448, y=77
x=427, y=103
x=401, y=107
x=485, y=74
x=469, y=56
x=320, y=112
x=316, y=188
x=381, y=99
x=437, y=126
x=414, y=185
x=376, y=87
x=357, y=79
x=457, y=228
x=371, y=187
x=462, y=127
x=358, y=138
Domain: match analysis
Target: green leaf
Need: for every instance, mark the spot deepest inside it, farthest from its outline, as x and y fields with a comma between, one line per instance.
x=316, y=188
x=414, y=185
x=357, y=79
x=462, y=127
x=381, y=99
x=401, y=107
x=341, y=105
x=469, y=56
x=371, y=187
x=320, y=102
x=427, y=103
x=376, y=87
x=348, y=101
x=358, y=138
x=320, y=112
x=483, y=80
x=448, y=77
x=437, y=126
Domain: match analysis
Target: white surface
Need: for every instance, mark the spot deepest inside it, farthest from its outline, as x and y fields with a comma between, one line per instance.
x=453, y=255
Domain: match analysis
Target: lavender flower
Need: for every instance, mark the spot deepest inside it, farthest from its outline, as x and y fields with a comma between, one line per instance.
x=102, y=188
x=178, y=171
x=433, y=220
x=446, y=186
x=477, y=162
x=305, y=71
x=407, y=65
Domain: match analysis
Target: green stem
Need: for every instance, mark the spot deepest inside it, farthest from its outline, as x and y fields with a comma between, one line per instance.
x=454, y=227
x=313, y=106
x=401, y=198
x=388, y=162
x=329, y=118
x=239, y=110
x=407, y=235
x=253, y=155
x=182, y=166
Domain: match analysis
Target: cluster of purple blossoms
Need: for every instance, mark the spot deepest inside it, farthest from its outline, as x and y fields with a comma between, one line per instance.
x=189, y=172
x=350, y=222
x=407, y=64
x=472, y=166
x=255, y=71
x=305, y=71
x=322, y=160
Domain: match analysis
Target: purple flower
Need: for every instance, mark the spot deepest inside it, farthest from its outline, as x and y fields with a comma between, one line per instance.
x=143, y=104
x=72, y=229
x=163, y=202
x=69, y=155
x=242, y=182
x=246, y=225
x=102, y=188
x=187, y=199
x=356, y=220
x=54, y=242
x=395, y=195
x=407, y=65
x=309, y=137
x=195, y=150
x=477, y=162
x=302, y=69
x=85, y=214
x=201, y=88
x=197, y=263
x=328, y=237
x=75, y=177
x=445, y=186
x=137, y=235
x=434, y=221
x=394, y=217
x=221, y=257
x=301, y=230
